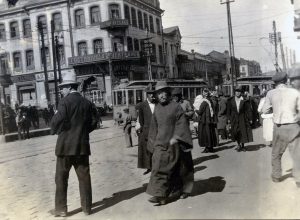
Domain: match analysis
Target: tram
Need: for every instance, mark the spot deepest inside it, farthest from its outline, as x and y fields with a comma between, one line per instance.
x=130, y=94
x=255, y=85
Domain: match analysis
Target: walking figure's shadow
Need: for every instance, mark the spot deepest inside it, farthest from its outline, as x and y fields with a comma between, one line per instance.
x=212, y=184
x=113, y=200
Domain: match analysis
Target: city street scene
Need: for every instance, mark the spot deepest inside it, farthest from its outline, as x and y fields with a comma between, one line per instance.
x=149, y=109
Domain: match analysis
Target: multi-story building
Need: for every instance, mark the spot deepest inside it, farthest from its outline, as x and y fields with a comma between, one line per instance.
x=96, y=38
x=296, y=4
x=249, y=68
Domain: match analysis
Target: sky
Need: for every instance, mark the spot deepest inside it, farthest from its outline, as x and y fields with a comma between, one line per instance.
x=203, y=26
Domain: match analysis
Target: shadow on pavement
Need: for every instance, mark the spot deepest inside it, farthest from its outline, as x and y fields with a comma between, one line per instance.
x=115, y=199
x=205, y=158
x=255, y=147
x=226, y=142
x=213, y=184
x=197, y=169
x=223, y=148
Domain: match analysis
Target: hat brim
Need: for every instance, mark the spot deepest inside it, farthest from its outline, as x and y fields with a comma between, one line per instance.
x=68, y=83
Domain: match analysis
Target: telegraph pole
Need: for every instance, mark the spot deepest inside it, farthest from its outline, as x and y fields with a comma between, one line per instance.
x=54, y=63
x=58, y=58
x=41, y=30
x=231, y=45
x=275, y=38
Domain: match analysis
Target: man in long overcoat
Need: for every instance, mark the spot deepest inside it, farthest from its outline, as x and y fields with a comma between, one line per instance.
x=145, y=110
x=168, y=134
x=240, y=117
x=75, y=118
x=222, y=115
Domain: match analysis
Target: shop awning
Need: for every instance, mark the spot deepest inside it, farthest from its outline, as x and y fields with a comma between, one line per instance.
x=26, y=88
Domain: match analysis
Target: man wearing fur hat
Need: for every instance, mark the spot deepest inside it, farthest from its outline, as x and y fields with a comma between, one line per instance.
x=169, y=134
x=145, y=110
x=285, y=104
x=75, y=118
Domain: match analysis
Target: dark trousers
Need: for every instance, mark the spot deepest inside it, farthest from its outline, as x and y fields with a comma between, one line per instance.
x=82, y=168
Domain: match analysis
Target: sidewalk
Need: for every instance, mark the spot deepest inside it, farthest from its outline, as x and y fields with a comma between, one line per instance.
x=227, y=184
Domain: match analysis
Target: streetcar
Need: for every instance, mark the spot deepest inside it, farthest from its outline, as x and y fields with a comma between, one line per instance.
x=255, y=85
x=128, y=95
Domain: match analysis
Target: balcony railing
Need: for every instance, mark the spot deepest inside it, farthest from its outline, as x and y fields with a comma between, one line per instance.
x=114, y=24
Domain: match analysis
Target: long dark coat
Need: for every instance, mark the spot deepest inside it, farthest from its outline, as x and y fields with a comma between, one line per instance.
x=144, y=117
x=240, y=120
x=222, y=113
x=75, y=118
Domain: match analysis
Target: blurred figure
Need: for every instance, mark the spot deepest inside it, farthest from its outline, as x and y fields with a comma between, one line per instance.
x=127, y=118
x=267, y=120
x=46, y=116
x=295, y=79
x=206, y=128
x=285, y=104
x=196, y=105
x=185, y=105
x=222, y=116
x=239, y=116
x=145, y=110
x=23, y=125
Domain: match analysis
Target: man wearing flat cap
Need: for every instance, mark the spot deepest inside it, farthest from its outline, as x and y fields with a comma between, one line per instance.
x=295, y=78
x=145, y=110
x=239, y=115
x=75, y=118
x=285, y=104
x=185, y=104
x=169, y=134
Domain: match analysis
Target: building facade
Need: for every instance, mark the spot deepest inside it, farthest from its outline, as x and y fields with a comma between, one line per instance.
x=249, y=68
x=96, y=38
x=296, y=4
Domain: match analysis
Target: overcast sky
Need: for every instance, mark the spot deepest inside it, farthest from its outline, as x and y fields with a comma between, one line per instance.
x=203, y=26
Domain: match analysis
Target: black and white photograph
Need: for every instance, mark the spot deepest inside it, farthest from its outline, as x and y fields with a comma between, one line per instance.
x=149, y=109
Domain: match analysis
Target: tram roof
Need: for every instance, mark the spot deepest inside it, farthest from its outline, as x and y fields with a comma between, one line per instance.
x=255, y=78
x=171, y=82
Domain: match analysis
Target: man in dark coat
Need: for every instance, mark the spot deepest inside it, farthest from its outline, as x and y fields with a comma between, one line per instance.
x=145, y=110
x=169, y=134
x=240, y=118
x=222, y=116
x=75, y=118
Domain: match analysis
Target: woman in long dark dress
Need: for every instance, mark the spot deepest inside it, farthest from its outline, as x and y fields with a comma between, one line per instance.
x=206, y=129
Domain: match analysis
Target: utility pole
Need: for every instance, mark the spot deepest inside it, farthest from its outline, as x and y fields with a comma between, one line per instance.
x=54, y=63
x=231, y=45
x=283, y=58
x=58, y=59
x=69, y=3
x=275, y=38
x=110, y=70
x=41, y=30
x=287, y=58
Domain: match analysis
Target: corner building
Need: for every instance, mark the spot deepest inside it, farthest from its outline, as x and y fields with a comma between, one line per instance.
x=96, y=38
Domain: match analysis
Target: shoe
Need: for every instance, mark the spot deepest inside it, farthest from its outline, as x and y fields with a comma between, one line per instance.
x=276, y=179
x=159, y=200
x=147, y=171
x=239, y=149
x=58, y=214
x=184, y=195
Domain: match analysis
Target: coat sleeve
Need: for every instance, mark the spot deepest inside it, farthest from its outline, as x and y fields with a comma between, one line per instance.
x=95, y=117
x=222, y=108
x=152, y=134
x=59, y=118
x=202, y=108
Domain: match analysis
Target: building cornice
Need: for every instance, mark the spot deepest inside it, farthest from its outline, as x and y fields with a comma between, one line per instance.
x=27, y=7
x=136, y=2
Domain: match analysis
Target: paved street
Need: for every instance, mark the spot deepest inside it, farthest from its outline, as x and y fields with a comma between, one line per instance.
x=227, y=184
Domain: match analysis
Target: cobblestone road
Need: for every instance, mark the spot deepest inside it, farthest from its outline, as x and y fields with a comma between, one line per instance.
x=227, y=184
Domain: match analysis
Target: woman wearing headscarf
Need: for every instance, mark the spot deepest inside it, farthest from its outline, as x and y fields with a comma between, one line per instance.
x=206, y=129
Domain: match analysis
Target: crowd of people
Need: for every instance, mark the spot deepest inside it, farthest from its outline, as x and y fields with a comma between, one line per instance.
x=165, y=140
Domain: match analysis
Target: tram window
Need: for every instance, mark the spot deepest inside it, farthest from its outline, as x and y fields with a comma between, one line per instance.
x=119, y=98
x=124, y=102
x=192, y=93
x=139, y=96
x=186, y=93
x=130, y=97
x=245, y=88
x=198, y=91
x=256, y=90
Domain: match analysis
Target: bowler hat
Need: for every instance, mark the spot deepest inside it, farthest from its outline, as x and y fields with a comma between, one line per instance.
x=280, y=76
x=149, y=88
x=69, y=79
x=177, y=91
x=161, y=85
x=239, y=89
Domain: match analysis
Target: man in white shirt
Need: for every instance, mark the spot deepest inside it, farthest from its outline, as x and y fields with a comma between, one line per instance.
x=285, y=103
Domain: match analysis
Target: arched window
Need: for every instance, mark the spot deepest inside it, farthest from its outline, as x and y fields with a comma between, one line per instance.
x=129, y=44
x=127, y=13
x=79, y=18
x=42, y=19
x=133, y=17
x=146, y=24
x=151, y=23
x=14, y=29
x=140, y=19
x=98, y=46
x=82, y=49
x=95, y=15
x=2, y=32
x=29, y=59
x=26, y=28
x=158, y=30
x=114, y=11
x=57, y=21
x=17, y=61
x=136, y=45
